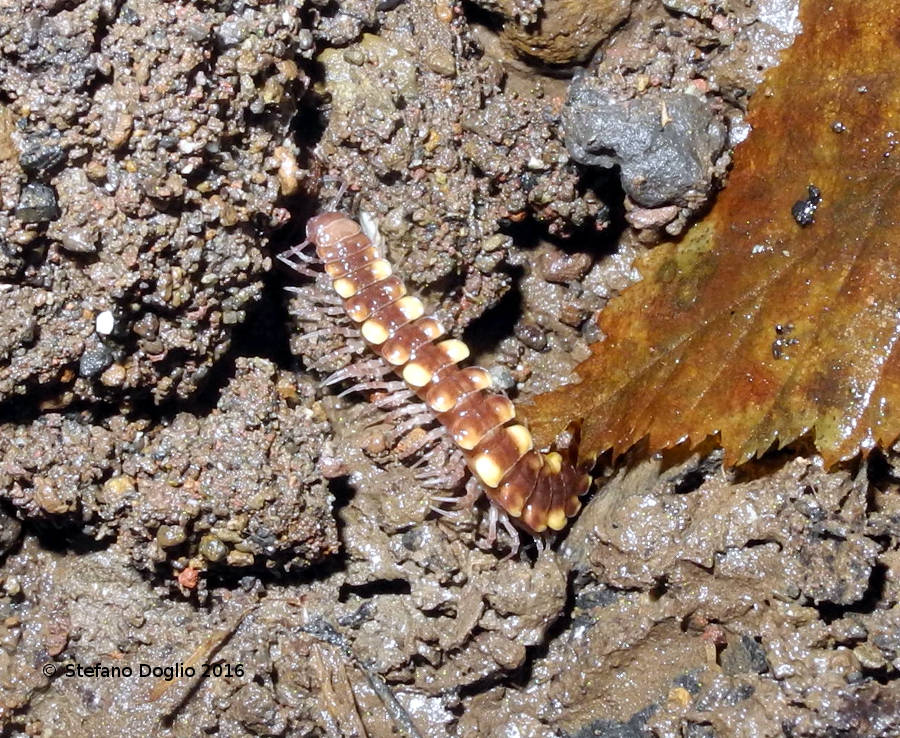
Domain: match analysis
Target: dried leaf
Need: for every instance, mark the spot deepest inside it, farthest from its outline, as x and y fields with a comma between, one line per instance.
x=752, y=326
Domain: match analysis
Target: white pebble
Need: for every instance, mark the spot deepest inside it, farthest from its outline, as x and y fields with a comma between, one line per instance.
x=186, y=146
x=369, y=224
x=105, y=323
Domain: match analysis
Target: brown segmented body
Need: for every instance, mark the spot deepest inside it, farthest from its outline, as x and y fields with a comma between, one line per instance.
x=537, y=490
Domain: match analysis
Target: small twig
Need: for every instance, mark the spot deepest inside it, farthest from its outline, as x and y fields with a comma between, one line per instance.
x=323, y=631
x=201, y=654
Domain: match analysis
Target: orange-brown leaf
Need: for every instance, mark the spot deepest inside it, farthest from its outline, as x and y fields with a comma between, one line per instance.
x=753, y=327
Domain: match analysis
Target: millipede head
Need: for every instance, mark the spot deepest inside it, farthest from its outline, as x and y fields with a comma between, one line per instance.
x=326, y=228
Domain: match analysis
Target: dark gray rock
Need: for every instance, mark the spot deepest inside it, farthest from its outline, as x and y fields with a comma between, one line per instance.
x=96, y=357
x=40, y=157
x=667, y=145
x=744, y=656
x=37, y=204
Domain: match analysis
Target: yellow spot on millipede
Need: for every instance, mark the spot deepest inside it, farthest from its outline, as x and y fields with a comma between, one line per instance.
x=358, y=313
x=520, y=436
x=441, y=402
x=432, y=328
x=374, y=332
x=454, y=350
x=397, y=355
x=479, y=377
x=553, y=462
x=411, y=307
x=488, y=471
x=381, y=269
x=344, y=287
x=416, y=375
x=556, y=519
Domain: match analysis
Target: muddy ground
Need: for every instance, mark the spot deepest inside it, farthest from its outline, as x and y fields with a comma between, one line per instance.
x=181, y=492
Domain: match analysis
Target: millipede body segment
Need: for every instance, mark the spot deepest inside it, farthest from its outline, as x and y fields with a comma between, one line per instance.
x=538, y=490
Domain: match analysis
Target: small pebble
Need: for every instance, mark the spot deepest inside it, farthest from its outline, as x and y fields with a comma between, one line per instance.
x=355, y=57
x=502, y=377
x=169, y=536
x=152, y=347
x=105, y=323
x=395, y=223
x=239, y=558
x=38, y=160
x=95, y=170
x=130, y=16
x=305, y=40
x=441, y=61
x=147, y=326
x=558, y=266
x=571, y=314
x=488, y=263
x=47, y=497
x=80, y=241
x=117, y=136
x=94, y=360
x=497, y=241
x=804, y=211
x=651, y=217
x=591, y=332
x=869, y=656
x=373, y=444
x=12, y=586
x=115, y=489
x=113, y=376
x=188, y=577
x=679, y=697
x=532, y=335
x=288, y=170
x=37, y=204
x=212, y=549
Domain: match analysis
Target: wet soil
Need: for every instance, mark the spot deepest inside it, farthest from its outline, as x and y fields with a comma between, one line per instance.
x=181, y=496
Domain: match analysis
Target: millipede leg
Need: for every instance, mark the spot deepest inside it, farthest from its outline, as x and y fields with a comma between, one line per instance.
x=446, y=472
x=373, y=369
x=454, y=515
x=408, y=412
x=312, y=313
x=433, y=436
x=297, y=250
x=392, y=396
x=432, y=480
x=493, y=517
x=498, y=515
x=473, y=492
x=300, y=262
x=417, y=418
x=342, y=189
x=344, y=352
x=338, y=330
x=317, y=295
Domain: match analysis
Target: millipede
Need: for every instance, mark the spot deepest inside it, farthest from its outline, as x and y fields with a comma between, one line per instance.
x=536, y=490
